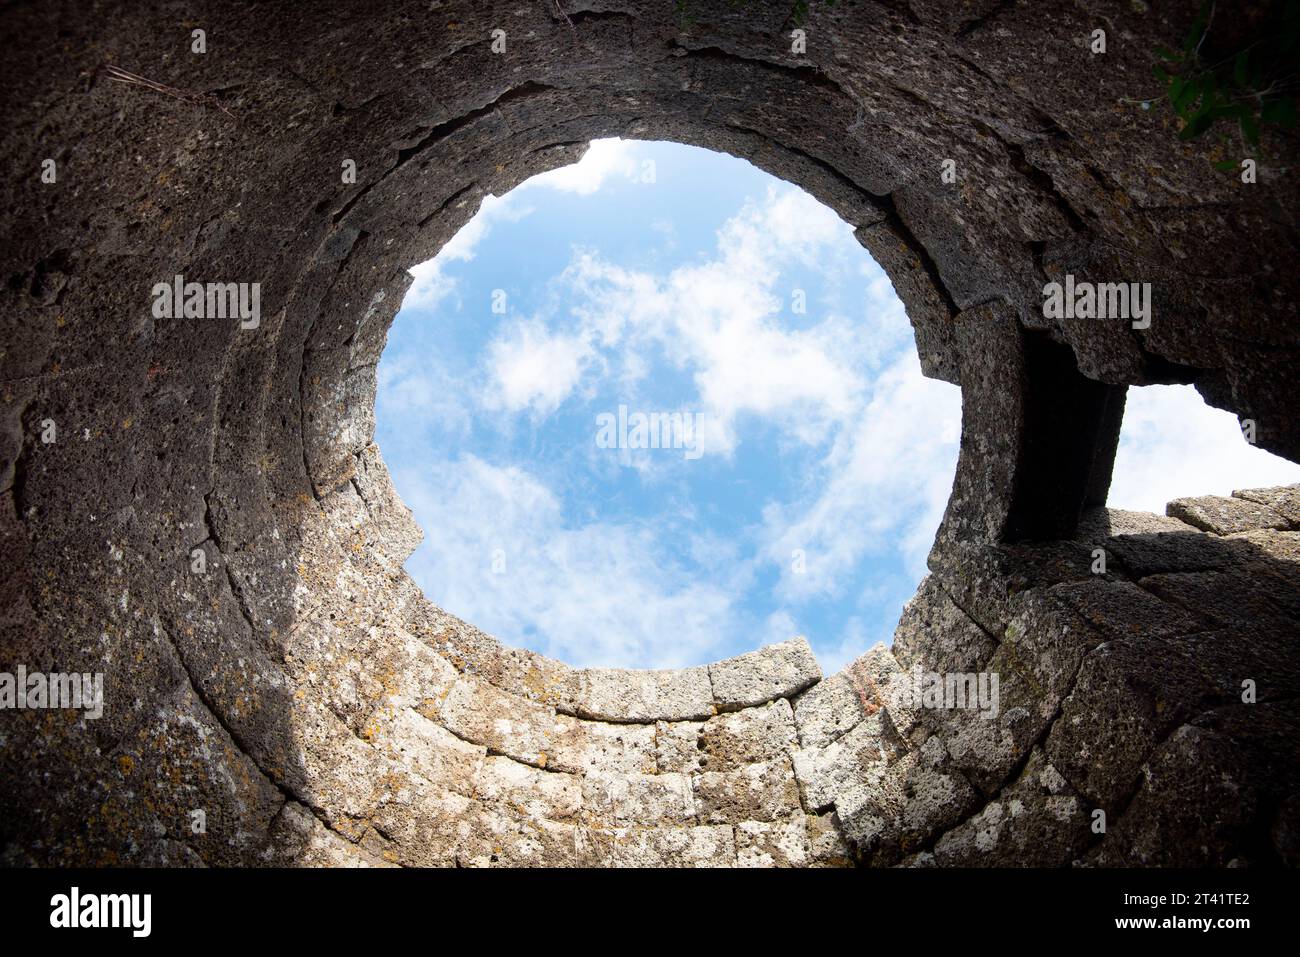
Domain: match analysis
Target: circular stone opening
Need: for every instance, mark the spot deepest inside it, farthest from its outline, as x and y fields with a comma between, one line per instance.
x=660, y=408
x=209, y=525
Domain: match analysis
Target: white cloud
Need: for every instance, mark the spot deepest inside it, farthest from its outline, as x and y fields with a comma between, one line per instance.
x=603, y=159
x=431, y=285
x=789, y=223
x=882, y=488
x=880, y=454
x=722, y=320
x=1173, y=445
x=591, y=594
x=531, y=368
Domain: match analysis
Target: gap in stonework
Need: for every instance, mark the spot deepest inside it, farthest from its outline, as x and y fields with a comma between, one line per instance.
x=656, y=294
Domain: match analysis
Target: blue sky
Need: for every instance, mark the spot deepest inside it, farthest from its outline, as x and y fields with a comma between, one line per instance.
x=671, y=279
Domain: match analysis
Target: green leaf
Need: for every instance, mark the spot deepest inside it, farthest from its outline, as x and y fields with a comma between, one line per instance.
x=1197, y=125
x=1226, y=166
x=1209, y=88
x=1240, y=72
x=1180, y=95
x=1161, y=73
x=1249, y=128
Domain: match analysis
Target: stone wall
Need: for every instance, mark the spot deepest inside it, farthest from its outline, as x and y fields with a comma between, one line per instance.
x=1119, y=691
x=302, y=692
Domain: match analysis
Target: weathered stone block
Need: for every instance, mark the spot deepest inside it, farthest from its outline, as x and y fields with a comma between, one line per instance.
x=1223, y=516
x=677, y=745
x=1035, y=665
x=549, y=795
x=700, y=846
x=478, y=712
x=593, y=747
x=854, y=760
x=826, y=844
x=881, y=685
x=777, y=671
x=915, y=797
x=774, y=843
x=1037, y=821
x=1282, y=499
x=754, y=792
x=1120, y=609
x=986, y=750
x=937, y=635
x=1098, y=524
x=298, y=839
x=1198, y=782
x=1248, y=596
x=826, y=711
x=615, y=694
x=1128, y=697
x=747, y=736
x=426, y=748
x=639, y=798
x=504, y=839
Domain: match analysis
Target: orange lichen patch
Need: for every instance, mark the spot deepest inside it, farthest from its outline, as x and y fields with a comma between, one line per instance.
x=431, y=707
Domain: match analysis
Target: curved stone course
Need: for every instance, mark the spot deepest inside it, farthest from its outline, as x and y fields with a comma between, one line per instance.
x=303, y=695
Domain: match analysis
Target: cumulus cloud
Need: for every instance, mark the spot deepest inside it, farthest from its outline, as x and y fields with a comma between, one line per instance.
x=882, y=488
x=843, y=391
x=600, y=593
x=1173, y=445
x=603, y=159
x=532, y=368
x=722, y=320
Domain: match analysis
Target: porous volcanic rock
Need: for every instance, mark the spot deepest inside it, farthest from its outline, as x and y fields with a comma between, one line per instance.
x=197, y=510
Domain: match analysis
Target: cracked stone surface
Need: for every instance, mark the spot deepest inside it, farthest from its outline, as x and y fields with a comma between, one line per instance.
x=303, y=694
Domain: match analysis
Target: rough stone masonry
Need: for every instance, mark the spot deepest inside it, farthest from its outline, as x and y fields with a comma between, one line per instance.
x=196, y=510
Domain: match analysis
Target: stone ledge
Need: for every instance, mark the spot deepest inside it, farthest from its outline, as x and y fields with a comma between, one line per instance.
x=1283, y=499
x=1223, y=516
x=626, y=695
x=757, y=677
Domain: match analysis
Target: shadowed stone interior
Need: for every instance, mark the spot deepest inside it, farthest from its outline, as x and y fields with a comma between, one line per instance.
x=307, y=697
